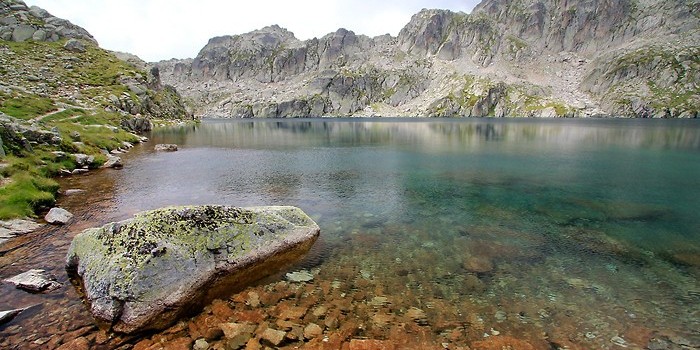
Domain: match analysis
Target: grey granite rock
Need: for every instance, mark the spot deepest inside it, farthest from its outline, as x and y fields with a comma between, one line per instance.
x=145, y=272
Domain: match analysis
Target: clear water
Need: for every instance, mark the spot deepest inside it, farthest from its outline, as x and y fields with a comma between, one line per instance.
x=572, y=232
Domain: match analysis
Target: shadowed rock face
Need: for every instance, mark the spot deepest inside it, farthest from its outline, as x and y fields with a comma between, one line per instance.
x=144, y=273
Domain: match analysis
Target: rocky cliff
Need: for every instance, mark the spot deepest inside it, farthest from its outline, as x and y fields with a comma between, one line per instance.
x=549, y=58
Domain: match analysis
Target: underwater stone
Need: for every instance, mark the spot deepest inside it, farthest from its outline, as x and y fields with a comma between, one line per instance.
x=146, y=272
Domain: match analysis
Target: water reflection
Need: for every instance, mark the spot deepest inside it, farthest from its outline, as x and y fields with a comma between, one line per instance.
x=673, y=134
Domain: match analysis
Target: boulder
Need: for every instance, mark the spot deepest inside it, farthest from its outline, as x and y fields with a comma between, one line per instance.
x=166, y=147
x=113, y=162
x=58, y=216
x=74, y=45
x=83, y=159
x=23, y=32
x=34, y=281
x=145, y=272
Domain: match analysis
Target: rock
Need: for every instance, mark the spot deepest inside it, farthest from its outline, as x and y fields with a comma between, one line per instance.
x=58, y=216
x=418, y=316
x=273, y=337
x=502, y=342
x=232, y=330
x=23, y=32
x=299, y=276
x=113, y=162
x=166, y=147
x=83, y=159
x=370, y=344
x=7, y=316
x=39, y=35
x=146, y=272
x=74, y=45
x=79, y=171
x=34, y=281
x=478, y=264
x=200, y=344
x=16, y=227
x=73, y=191
x=80, y=343
x=312, y=331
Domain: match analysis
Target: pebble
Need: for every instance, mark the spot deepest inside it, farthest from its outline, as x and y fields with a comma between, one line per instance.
x=200, y=344
x=273, y=337
x=619, y=341
x=299, y=276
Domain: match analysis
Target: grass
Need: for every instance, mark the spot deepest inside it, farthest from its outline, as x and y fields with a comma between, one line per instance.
x=73, y=78
x=26, y=107
x=26, y=194
x=30, y=187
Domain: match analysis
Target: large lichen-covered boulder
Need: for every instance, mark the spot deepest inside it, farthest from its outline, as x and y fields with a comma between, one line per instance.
x=146, y=272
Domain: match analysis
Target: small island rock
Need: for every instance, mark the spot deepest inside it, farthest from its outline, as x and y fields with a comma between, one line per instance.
x=113, y=162
x=58, y=216
x=146, y=272
x=34, y=281
x=166, y=147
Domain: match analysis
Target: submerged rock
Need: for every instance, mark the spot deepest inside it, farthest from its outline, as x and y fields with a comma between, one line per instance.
x=299, y=276
x=146, y=272
x=16, y=227
x=166, y=147
x=34, y=281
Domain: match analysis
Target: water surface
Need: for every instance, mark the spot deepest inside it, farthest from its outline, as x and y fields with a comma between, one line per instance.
x=573, y=232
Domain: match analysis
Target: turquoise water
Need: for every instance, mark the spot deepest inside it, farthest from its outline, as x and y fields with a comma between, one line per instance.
x=566, y=233
x=588, y=228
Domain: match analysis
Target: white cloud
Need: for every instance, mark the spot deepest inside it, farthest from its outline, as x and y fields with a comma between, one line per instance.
x=163, y=29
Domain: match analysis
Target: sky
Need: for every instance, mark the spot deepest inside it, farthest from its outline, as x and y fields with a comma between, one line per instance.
x=162, y=29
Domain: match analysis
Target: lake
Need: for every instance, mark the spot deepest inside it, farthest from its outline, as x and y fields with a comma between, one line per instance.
x=433, y=231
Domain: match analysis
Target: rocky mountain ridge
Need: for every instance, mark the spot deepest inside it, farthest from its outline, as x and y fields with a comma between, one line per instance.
x=547, y=58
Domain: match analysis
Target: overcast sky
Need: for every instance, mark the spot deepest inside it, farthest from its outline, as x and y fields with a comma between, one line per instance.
x=163, y=29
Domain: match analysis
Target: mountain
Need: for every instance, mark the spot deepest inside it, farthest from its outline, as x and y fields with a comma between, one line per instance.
x=632, y=58
x=66, y=104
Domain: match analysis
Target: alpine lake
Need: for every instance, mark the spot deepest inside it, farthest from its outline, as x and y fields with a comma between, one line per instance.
x=435, y=233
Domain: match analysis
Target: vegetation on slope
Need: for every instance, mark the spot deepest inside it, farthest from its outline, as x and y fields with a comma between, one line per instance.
x=56, y=103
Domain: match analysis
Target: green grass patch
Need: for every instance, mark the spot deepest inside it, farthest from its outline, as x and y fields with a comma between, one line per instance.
x=26, y=107
x=25, y=194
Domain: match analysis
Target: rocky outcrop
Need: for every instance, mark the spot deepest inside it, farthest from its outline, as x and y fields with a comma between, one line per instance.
x=143, y=273
x=541, y=58
x=18, y=22
x=18, y=135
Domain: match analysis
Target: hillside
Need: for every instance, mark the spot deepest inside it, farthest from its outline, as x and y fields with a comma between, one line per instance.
x=538, y=58
x=66, y=104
